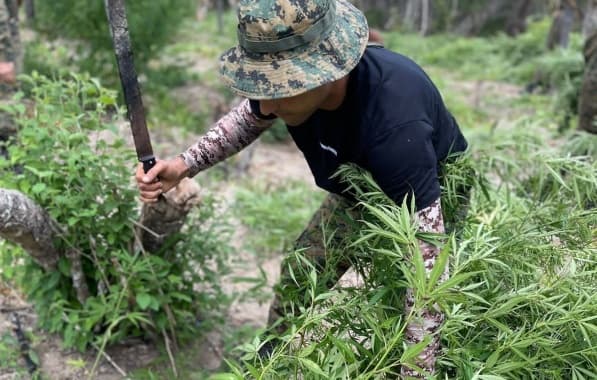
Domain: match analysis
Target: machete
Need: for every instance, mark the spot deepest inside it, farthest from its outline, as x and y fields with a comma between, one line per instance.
x=119, y=30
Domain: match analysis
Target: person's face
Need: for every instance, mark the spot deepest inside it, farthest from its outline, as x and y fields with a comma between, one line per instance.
x=296, y=109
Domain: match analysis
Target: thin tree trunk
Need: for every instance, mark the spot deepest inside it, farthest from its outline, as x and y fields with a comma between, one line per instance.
x=517, y=20
x=220, y=12
x=30, y=10
x=412, y=14
x=590, y=20
x=393, y=17
x=163, y=219
x=453, y=14
x=563, y=20
x=202, y=8
x=25, y=223
x=79, y=280
x=425, y=16
x=587, y=108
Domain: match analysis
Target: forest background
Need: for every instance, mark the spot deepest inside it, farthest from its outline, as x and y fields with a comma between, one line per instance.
x=97, y=296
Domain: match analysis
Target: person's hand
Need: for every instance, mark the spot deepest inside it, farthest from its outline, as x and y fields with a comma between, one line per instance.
x=7, y=72
x=162, y=177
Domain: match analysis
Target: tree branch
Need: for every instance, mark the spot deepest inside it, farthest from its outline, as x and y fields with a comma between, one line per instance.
x=25, y=223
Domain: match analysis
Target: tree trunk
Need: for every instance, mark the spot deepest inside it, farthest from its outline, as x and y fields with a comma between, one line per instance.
x=517, y=20
x=412, y=14
x=78, y=275
x=24, y=223
x=220, y=12
x=393, y=17
x=472, y=22
x=563, y=20
x=587, y=108
x=425, y=17
x=30, y=10
x=453, y=14
x=590, y=19
x=161, y=220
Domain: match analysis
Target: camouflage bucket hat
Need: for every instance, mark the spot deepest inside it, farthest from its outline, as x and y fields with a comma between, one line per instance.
x=287, y=47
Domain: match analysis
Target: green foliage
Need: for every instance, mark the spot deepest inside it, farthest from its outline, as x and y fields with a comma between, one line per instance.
x=199, y=55
x=174, y=62
x=520, y=301
x=170, y=70
x=523, y=60
x=152, y=24
x=10, y=354
x=49, y=59
x=499, y=58
x=207, y=41
x=163, y=108
x=275, y=215
x=69, y=159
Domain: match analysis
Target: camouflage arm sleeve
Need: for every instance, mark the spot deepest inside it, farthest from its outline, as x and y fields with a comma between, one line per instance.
x=233, y=132
x=427, y=321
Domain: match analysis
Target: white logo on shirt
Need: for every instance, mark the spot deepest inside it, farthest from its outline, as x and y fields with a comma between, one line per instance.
x=329, y=149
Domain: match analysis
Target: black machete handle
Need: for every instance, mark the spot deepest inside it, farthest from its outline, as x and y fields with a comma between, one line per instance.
x=148, y=163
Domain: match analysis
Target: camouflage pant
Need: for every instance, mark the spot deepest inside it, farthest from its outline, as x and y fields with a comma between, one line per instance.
x=338, y=218
x=293, y=294
x=334, y=221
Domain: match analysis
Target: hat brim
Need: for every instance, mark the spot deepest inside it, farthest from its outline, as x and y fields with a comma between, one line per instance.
x=290, y=73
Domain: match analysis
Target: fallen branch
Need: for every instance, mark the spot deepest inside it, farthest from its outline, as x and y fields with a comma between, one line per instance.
x=25, y=223
x=170, y=356
x=112, y=362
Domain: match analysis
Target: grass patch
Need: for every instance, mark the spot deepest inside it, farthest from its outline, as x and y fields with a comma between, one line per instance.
x=275, y=215
x=9, y=354
x=523, y=60
x=500, y=57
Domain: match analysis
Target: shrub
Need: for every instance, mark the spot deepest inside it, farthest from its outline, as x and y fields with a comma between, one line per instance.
x=152, y=24
x=82, y=180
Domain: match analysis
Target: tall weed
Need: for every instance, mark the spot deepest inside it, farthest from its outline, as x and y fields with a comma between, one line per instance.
x=275, y=215
x=521, y=299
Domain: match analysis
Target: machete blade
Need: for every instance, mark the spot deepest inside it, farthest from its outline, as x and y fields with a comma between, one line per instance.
x=116, y=12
